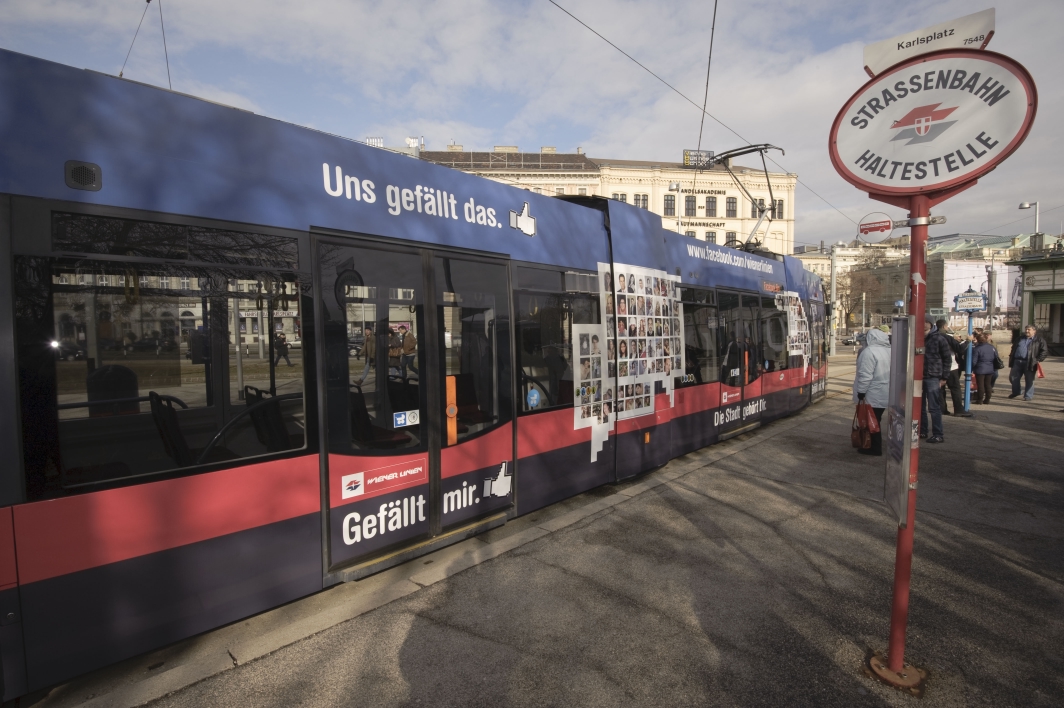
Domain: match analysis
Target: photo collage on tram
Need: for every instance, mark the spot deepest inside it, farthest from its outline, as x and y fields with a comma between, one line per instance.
x=643, y=334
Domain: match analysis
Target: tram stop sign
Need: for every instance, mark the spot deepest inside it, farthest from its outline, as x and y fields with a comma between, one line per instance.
x=934, y=123
x=970, y=301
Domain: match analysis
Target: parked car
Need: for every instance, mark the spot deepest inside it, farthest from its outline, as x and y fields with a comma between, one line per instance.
x=65, y=351
x=295, y=343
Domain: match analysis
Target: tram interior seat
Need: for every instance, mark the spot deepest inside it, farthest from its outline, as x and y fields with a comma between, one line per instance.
x=469, y=410
x=403, y=393
x=363, y=429
x=269, y=424
x=165, y=417
x=110, y=383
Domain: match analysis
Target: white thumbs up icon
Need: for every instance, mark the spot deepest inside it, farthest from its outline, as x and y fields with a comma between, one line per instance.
x=523, y=222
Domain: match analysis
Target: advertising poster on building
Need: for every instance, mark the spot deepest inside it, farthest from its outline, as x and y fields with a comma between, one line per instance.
x=958, y=276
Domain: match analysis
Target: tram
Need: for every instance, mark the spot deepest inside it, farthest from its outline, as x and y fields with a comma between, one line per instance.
x=244, y=360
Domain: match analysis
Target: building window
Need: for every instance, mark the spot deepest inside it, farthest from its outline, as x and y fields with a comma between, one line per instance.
x=732, y=208
x=756, y=208
x=582, y=192
x=642, y=201
x=689, y=208
x=559, y=190
x=101, y=280
x=777, y=213
x=670, y=205
x=623, y=198
x=689, y=233
x=711, y=206
x=711, y=236
x=185, y=284
x=729, y=236
x=164, y=282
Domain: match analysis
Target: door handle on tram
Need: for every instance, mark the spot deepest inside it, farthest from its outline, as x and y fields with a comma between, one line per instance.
x=451, y=411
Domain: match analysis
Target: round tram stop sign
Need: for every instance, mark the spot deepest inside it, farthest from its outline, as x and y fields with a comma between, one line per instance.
x=933, y=123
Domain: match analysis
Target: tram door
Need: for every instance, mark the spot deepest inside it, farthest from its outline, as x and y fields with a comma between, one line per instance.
x=418, y=407
x=740, y=347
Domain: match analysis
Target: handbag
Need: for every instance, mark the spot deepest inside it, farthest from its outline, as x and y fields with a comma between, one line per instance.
x=860, y=437
x=1041, y=374
x=869, y=417
x=998, y=363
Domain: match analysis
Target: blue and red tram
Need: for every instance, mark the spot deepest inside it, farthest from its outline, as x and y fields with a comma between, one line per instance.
x=245, y=360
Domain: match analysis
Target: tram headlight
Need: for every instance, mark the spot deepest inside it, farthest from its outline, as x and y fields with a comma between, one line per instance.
x=55, y=344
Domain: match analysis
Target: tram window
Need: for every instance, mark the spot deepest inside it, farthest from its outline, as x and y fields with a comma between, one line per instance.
x=773, y=334
x=700, y=331
x=474, y=316
x=731, y=341
x=545, y=346
x=752, y=349
x=374, y=318
x=124, y=379
x=539, y=279
x=85, y=233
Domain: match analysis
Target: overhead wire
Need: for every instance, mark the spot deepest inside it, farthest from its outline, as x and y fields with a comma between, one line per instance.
x=684, y=97
x=123, y=69
x=705, y=102
x=165, y=53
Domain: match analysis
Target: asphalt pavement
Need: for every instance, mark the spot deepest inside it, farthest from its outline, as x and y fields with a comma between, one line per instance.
x=756, y=572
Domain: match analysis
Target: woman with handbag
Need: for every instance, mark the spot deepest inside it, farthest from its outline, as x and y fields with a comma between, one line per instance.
x=872, y=382
x=983, y=364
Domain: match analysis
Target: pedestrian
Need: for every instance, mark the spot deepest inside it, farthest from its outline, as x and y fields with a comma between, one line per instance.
x=957, y=377
x=951, y=380
x=872, y=382
x=1027, y=352
x=395, y=349
x=280, y=345
x=409, y=352
x=983, y=357
x=937, y=356
x=369, y=348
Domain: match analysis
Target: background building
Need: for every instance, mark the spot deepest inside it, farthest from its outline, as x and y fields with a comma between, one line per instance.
x=705, y=204
x=1042, y=278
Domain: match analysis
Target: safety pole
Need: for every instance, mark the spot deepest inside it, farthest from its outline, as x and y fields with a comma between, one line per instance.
x=919, y=213
x=968, y=370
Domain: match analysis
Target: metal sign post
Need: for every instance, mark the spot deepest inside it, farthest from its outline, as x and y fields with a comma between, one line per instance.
x=969, y=301
x=921, y=131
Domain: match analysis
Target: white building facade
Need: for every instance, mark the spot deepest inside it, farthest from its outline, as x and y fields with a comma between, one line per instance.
x=707, y=205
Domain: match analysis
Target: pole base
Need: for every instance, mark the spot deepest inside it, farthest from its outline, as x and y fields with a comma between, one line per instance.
x=911, y=680
x=964, y=414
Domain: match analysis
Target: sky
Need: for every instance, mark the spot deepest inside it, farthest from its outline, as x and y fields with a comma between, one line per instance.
x=524, y=73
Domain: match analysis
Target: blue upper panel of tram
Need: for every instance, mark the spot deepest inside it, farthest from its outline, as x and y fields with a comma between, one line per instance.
x=166, y=152
x=639, y=239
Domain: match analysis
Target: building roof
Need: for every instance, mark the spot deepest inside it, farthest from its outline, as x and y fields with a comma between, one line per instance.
x=531, y=161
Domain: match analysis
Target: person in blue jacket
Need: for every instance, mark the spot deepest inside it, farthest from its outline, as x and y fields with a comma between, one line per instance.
x=983, y=357
x=872, y=382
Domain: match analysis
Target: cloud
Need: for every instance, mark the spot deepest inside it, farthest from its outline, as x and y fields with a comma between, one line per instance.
x=522, y=72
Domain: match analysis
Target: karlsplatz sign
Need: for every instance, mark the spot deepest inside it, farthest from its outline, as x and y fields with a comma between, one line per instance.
x=934, y=122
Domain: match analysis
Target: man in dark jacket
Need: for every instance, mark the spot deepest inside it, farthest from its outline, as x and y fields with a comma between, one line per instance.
x=938, y=356
x=1023, y=362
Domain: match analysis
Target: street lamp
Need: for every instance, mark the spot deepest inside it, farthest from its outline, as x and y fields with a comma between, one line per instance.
x=1028, y=205
x=675, y=187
